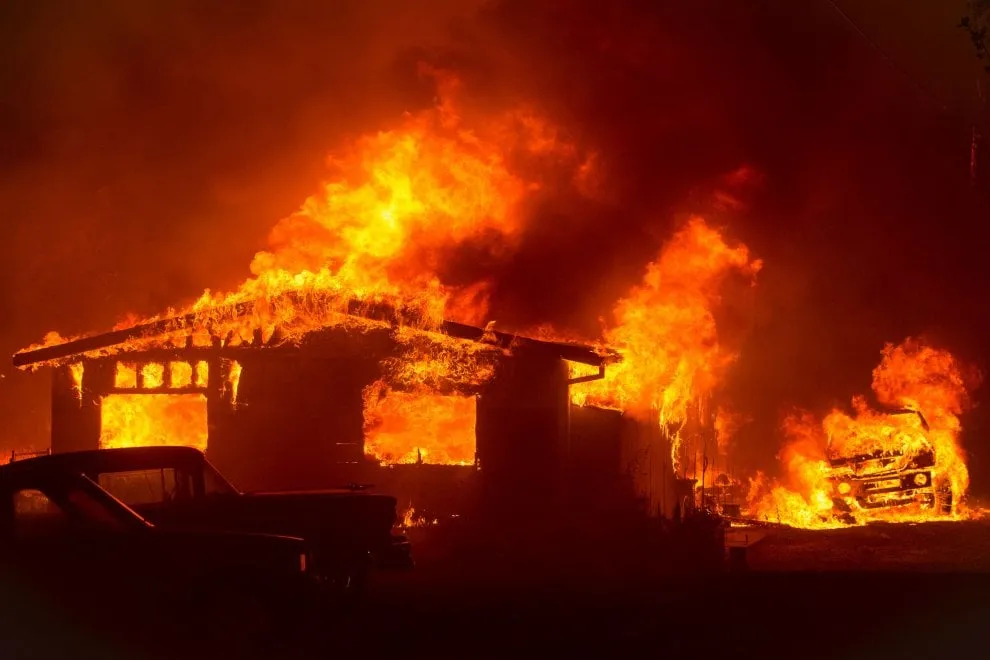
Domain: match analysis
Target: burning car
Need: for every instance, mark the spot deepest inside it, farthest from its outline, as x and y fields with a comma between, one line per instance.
x=888, y=479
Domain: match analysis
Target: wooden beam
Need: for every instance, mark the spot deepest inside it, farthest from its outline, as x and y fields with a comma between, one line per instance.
x=106, y=340
x=155, y=390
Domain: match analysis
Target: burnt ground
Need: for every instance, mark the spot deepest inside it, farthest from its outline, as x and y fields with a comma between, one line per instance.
x=928, y=547
x=873, y=592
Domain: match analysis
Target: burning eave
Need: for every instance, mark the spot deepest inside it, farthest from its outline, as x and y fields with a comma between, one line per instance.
x=221, y=334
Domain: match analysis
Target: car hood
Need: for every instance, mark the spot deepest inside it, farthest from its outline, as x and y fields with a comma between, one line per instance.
x=227, y=549
x=311, y=513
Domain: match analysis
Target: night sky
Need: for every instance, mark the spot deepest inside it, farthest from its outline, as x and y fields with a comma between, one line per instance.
x=147, y=148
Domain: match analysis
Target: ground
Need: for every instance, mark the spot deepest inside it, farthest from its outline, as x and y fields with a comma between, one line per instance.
x=934, y=546
x=876, y=591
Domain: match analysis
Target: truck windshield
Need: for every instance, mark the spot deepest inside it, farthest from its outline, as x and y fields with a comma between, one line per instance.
x=93, y=512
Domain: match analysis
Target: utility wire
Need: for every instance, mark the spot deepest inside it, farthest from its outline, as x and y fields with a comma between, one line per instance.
x=887, y=58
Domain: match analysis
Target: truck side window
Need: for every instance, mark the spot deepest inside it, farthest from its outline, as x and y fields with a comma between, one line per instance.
x=213, y=483
x=36, y=515
x=138, y=487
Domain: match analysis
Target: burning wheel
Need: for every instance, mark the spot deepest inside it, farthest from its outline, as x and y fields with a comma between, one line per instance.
x=943, y=499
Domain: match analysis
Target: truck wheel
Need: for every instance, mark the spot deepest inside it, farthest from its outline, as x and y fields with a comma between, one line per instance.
x=348, y=586
x=943, y=499
x=234, y=618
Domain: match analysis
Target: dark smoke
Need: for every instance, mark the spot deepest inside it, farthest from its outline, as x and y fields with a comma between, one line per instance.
x=149, y=147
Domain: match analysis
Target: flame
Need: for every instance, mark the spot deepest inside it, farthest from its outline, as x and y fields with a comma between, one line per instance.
x=666, y=333
x=76, y=374
x=412, y=518
x=806, y=498
x=437, y=363
x=140, y=420
x=234, y=380
x=125, y=376
x=377, y=235
x=202, y=373
x=912, y=377
x=182, y=374
x=153, y=374
x=399, y=202
x=418, y=426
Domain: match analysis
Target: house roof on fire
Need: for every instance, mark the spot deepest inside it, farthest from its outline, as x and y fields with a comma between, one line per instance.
x=149, y=338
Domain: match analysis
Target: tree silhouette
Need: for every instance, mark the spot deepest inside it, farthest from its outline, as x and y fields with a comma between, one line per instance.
x=976, y=24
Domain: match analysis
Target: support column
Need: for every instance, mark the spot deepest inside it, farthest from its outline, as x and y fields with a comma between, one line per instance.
x=76, y=410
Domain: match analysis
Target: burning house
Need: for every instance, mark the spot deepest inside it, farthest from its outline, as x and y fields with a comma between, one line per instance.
x=303, y=385
x=438, y=417
x=359, y=349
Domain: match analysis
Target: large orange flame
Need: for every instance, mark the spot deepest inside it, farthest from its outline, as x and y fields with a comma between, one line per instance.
x=665, y=329
x=140, y=420
x=399, y=202
x=913, y=378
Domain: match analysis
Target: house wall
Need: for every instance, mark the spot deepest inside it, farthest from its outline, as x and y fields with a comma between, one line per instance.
x=75, y=410
x=297, y=423
x=522, y=431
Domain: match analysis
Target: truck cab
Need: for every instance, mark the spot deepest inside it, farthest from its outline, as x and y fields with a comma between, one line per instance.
x=351, y=530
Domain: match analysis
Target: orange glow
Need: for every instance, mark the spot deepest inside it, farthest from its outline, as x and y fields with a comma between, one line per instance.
x=418, y=427
x=125, y=376
x=153, y=375
x=396, y=203
x=202, y=374
x=182, y=373
x=76, y=373
x=235, y=380
x=911, y=378
x=399, y=200
x=665, y=331
x=141, y=420
x=412, y=518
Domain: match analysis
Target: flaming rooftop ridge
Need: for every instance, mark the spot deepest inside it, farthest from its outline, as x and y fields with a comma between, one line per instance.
x=154, y=334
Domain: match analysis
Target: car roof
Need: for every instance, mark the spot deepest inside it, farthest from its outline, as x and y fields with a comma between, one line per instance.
x=102, y=460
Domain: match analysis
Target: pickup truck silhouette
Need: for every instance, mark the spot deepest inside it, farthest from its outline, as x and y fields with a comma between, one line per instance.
x=76, y=556
x=350, y=530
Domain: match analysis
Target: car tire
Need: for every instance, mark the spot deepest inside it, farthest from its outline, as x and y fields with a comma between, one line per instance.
x=234, y=619
x=348, y=586
x=943, y=499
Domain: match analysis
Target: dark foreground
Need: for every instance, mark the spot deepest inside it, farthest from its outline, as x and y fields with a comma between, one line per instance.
x=909, y=603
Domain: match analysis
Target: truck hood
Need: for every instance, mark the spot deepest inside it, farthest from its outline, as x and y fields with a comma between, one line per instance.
x=226, y=549
x=314, y=514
